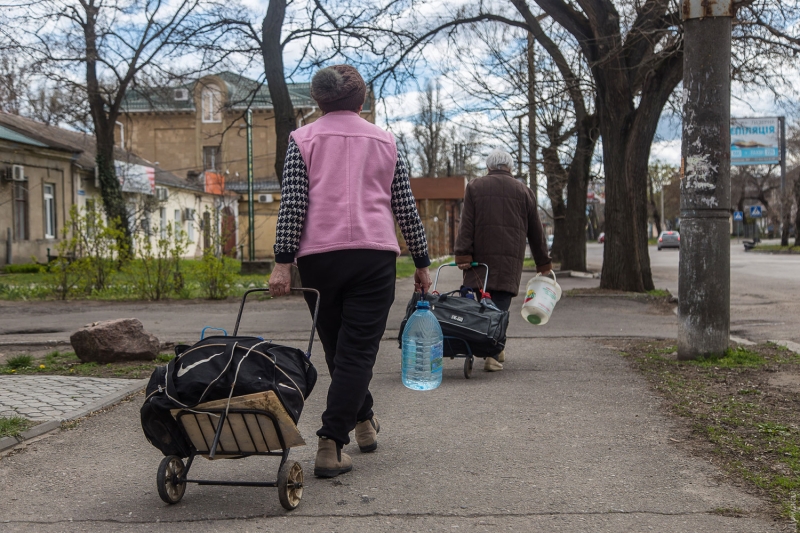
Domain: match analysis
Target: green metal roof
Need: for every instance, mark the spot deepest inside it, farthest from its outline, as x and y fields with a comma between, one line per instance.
x=242, y=93
x=11, y=135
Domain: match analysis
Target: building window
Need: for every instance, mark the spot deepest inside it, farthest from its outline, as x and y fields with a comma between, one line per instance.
x=162, y=215
x=20, y=210
x=211, y=157
x=190, y=225
x=49, y=211
x=178, y=227
x=211, y=103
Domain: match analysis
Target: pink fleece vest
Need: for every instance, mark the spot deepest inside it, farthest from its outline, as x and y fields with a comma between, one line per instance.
x=350, y=166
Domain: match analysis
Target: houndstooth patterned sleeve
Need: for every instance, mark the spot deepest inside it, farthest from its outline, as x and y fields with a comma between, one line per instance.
x=405, y=211
x=294, y=205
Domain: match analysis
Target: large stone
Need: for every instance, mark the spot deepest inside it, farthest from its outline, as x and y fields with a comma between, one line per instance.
x=114, y=341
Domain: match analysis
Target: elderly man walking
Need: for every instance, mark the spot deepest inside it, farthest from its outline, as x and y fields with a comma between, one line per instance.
x=499, y=214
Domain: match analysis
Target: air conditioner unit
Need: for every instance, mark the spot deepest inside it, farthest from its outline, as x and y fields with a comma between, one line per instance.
x=181, y=95
x=162, y=193
x=18, y=173
x=265, y=199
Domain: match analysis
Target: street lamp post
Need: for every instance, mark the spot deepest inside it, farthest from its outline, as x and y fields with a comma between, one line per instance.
x=704, y=271
x=251, y=232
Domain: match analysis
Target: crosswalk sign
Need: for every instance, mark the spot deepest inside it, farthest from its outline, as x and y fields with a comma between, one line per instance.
x=738, y=215
x=755, y=211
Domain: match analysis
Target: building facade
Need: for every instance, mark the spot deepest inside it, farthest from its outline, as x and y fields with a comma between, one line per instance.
x=198, y=130
x=45, y=171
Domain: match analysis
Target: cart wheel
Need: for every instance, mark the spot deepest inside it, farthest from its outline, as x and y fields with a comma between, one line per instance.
x=170, y=471
x=468, y=367
x=290, y=485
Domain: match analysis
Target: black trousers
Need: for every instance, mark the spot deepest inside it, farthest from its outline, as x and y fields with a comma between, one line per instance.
x=502, y=299
x=356, y=291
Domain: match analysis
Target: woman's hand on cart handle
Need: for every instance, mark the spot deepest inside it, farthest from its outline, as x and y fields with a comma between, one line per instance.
x=280, y=280
x=422, y=280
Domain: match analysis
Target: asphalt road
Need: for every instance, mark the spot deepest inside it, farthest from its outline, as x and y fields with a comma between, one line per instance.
x=765, y=289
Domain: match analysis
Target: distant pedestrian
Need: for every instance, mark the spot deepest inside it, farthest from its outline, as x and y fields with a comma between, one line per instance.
x=343, y=188
x=499, y=214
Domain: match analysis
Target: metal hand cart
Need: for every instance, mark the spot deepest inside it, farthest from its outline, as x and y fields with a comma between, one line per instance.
x=452, y=342
x=235, y=433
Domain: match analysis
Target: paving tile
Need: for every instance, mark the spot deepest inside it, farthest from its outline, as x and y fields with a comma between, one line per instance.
x=51, y=397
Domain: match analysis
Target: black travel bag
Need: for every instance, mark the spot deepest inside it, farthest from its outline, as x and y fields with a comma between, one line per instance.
x=208, y=371
x=468, y=325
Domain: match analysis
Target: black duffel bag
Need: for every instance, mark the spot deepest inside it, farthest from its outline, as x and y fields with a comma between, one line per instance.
x=209, y=369
x=480, y=324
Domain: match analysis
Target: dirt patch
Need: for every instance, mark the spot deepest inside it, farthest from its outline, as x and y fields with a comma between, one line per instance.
x=661, y=302
x=740, y=411
x=789, y=381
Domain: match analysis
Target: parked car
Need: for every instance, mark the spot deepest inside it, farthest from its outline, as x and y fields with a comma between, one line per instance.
x=669, y=239
x=549, y=242
x=602, y=238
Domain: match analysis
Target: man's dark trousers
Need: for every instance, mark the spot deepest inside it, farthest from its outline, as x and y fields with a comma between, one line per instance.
x=357, y=291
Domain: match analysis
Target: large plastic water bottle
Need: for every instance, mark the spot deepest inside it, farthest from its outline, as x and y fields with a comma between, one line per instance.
x=422, y=350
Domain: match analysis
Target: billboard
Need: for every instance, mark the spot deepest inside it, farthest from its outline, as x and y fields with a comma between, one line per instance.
x=755, y=141
x=136, y=178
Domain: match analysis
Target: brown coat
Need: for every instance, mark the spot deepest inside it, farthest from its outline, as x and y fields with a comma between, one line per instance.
x=499, y=214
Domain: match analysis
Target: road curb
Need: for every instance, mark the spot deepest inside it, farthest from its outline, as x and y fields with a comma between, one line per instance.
x=51, y=425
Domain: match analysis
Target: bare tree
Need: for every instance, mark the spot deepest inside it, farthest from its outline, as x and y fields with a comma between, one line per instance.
x=429, y=131
x=115, y=44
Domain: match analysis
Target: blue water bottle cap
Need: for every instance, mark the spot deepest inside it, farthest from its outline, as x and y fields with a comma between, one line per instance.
x=423, y=304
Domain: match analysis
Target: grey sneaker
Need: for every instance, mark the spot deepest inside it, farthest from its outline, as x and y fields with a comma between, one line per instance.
x=367, y=434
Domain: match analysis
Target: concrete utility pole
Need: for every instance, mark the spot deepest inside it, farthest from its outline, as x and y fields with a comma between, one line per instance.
x=704, y=273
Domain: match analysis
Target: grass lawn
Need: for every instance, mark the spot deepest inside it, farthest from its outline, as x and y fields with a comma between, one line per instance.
x=121, y=286
x=406, y=268
x=68, y=364
x=776, y=249
x=741, y=410
x=13, y=426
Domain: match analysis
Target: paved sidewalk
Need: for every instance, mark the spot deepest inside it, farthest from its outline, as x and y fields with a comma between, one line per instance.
x=44, y=398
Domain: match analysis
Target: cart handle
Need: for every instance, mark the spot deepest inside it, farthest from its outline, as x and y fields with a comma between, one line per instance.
x=485, y=281
x=313, y=324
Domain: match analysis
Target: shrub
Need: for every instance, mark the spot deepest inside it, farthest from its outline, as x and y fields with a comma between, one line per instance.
x=216, y=272
x=28, y=268
x=157, y=273
x=87, y=253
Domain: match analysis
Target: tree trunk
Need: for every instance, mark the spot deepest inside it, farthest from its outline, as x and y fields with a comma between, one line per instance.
x=797, y=213
x=556, y=181
x=104, y=122
x=276, y=81
x=653, y=208
x=573, y=251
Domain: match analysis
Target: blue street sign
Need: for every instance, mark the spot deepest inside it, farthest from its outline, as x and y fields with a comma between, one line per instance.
x=738, y=215
x=755, y=211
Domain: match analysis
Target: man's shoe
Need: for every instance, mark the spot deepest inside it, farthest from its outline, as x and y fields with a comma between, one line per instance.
x=501, y=357
x=492, y=365
x=367, y=434
x=331, y=460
